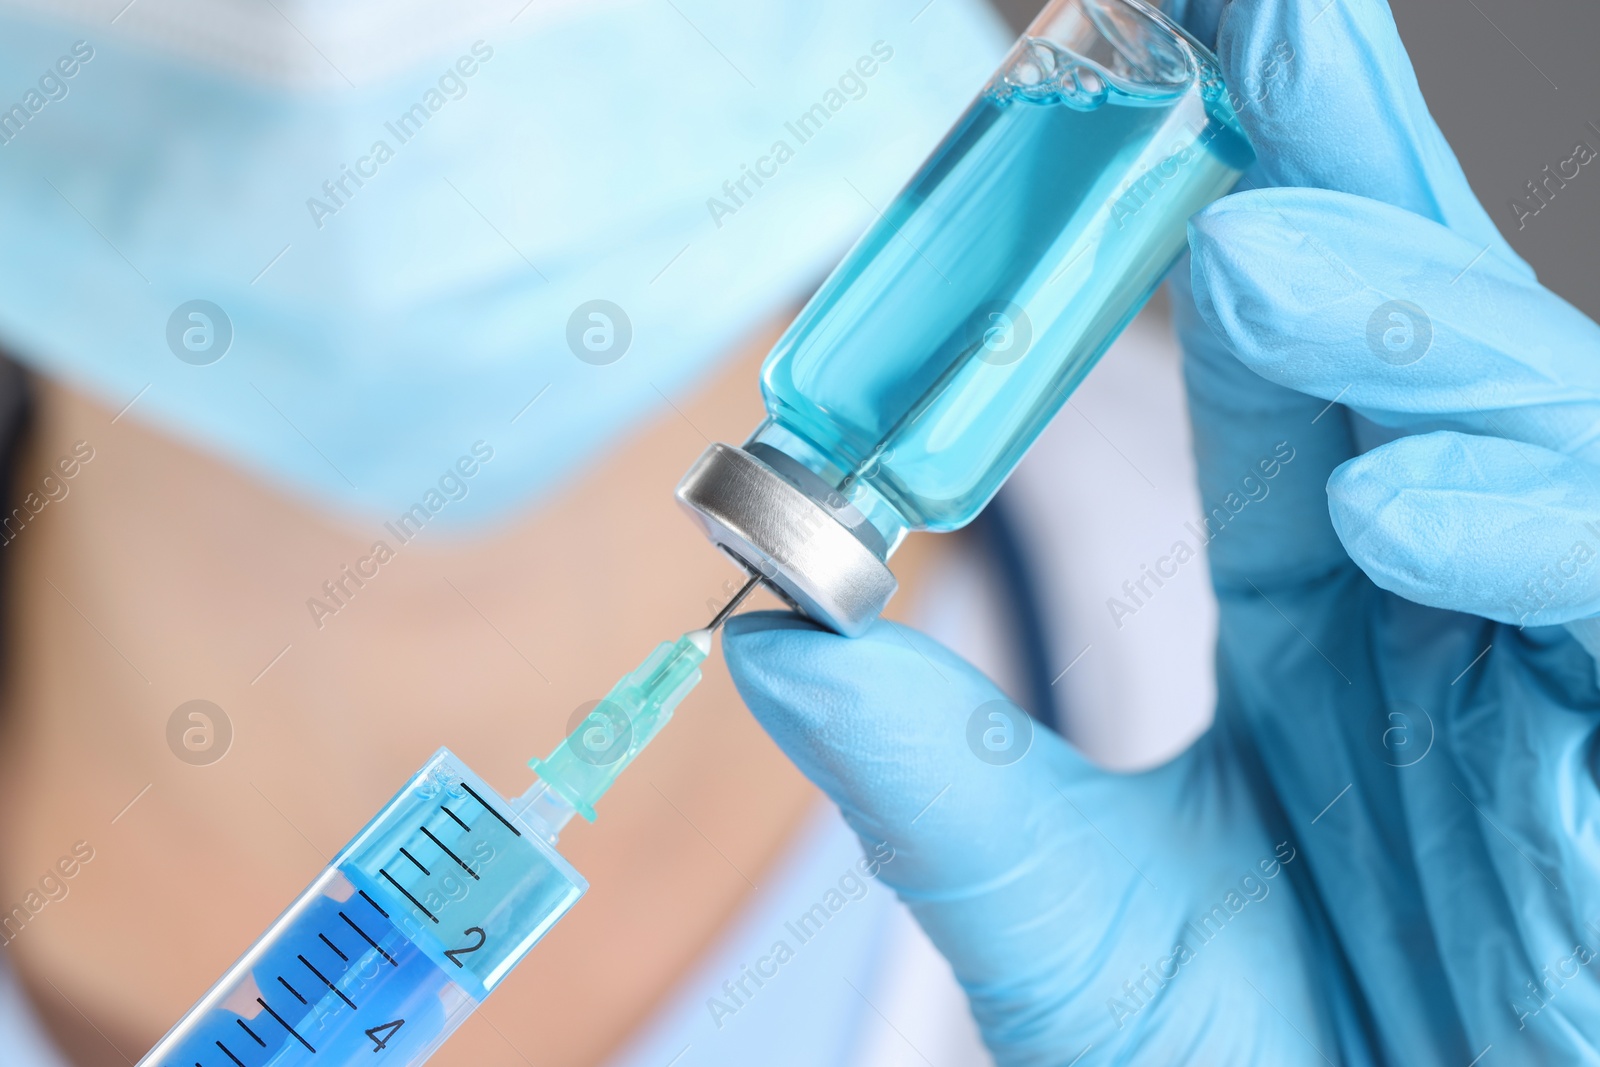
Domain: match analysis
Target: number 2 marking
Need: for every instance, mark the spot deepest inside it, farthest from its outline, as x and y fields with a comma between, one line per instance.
x=454, y=953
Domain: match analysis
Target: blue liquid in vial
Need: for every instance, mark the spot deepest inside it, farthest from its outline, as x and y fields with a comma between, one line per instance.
x=929, y=361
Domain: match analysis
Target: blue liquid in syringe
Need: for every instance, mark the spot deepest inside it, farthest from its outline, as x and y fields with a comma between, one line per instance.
x=394, y=944
x=337, y=958
x=958, y=325
x=429, y=907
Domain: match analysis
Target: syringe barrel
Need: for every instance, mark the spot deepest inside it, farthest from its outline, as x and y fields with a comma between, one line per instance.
x=394, y=944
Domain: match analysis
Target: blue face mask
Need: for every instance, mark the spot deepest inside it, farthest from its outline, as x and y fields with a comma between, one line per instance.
x=346, y=276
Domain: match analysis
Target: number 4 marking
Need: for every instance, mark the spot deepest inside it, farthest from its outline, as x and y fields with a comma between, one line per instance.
x=387, y=1030
x=455, y=953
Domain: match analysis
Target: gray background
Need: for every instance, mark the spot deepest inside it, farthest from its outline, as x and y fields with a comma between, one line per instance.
x=1513, y=84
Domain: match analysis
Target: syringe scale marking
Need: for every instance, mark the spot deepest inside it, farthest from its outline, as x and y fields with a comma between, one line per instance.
x=374, y=903
x=420, y=906
x=368, y=939
x=330, y=985
x=490, y=809
x=298, y=996
x=292, y=1031
x=450, y=932
x=336, y=952
x=445, y=849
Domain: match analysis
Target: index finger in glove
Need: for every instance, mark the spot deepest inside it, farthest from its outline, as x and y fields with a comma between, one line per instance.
x=1398, y=317
x=1479, y=525
x=1328, y=97
x=1330, y=101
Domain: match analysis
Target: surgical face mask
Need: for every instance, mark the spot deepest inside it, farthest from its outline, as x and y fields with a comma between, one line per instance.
x=347, y=244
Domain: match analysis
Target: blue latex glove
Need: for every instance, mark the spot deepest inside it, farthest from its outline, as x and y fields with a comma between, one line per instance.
x=1385, y=850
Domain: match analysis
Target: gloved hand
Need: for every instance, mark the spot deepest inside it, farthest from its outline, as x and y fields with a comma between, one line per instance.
x=1385, y=850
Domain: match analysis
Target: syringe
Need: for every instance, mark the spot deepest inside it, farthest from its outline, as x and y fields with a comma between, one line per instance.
x=431, y=905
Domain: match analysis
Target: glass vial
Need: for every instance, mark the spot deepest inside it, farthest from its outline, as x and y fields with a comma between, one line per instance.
x=917, y=376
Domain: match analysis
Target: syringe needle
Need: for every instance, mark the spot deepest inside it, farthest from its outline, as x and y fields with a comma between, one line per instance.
x=728, y=609
x=612, y=735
